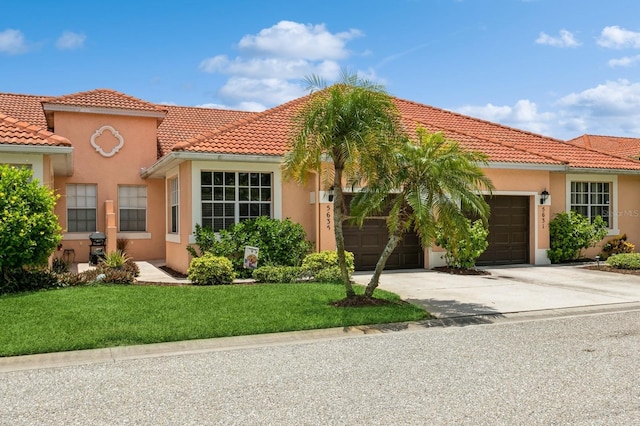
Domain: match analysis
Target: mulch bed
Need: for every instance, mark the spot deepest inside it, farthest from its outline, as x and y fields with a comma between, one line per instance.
x=607, y=268
x=461, y=271
x=360, y=300
x=173, y=273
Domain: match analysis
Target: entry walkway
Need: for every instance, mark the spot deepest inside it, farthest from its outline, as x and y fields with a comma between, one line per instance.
x=510, y=289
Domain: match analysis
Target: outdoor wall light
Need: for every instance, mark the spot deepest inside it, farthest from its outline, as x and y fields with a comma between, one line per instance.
x=544, y=196
x=330, y=193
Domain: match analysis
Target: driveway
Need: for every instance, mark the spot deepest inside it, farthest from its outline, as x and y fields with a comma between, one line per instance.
x=510, y=289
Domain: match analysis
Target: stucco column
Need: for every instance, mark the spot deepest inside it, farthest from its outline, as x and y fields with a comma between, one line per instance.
x=111, y=230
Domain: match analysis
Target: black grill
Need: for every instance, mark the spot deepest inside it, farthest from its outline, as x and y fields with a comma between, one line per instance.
x=97, y=247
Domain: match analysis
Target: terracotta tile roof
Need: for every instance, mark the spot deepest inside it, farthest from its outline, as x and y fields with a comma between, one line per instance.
x=550, y=148
x=264, y=133
x=106, y=98
x=182, y=123
x=24, y=107
x=616, y=145
x=267, y=133
x=16, y=132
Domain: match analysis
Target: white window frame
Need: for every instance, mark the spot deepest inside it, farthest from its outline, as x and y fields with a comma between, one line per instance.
x=174, y=205
x=124, y=205
x=87, y=202
x=262, y=165
x=612, y=180
x=252, y=194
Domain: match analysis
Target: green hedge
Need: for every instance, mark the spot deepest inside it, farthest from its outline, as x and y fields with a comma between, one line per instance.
x=624, y=261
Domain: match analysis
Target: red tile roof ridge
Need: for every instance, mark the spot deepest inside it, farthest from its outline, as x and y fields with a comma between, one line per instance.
x=26, y=95
x=468, y=117
x=205, y=108
x=589, y=135
x=68, y=99
x=193, y=141
x=608, y=154
x=36, y=131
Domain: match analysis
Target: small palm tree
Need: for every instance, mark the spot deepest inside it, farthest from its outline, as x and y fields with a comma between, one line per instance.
x=353, y=126
x=436, y=183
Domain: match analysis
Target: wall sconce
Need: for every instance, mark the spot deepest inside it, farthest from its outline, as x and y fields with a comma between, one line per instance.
x=544, y=196
x=330, y=193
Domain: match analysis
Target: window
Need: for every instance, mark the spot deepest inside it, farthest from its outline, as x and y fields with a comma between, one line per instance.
x=230, y=197
x=132, y=204
x=81, y=207
x=592, y=199
x=174, y=197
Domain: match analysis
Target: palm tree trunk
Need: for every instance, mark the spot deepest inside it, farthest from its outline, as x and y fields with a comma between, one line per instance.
x=338, y=218
x=393, y=242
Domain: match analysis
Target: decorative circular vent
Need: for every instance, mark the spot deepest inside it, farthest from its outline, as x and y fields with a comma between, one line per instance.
x=99, y=149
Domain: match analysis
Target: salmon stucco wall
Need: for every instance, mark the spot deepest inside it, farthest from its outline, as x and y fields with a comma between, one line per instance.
x=138, y=150
x=628, y=211
x=299, y=205
x=177, y=256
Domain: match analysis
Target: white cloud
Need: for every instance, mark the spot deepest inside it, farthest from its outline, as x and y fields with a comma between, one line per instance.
x=12, y=42
x=564, y=39
x=242, y=106
x=289, y=39
x=271, y=91
x=269, y=67
x=70, y=41
x=612, y=108
x=272, y=64
x=625, y=61
x=523, y=115
x=615, y=37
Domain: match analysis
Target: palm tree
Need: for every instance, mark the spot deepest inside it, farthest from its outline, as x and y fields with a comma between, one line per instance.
x=353, y=125
x=436, y=183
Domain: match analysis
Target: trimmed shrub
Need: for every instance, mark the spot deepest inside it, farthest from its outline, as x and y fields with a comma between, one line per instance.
x=616, y=246
x=572, y=232
x=279, y=274
x=210, y=270
x=19, y=280
x=331, y=274
x=281, y=242
x=29, y=230
x=624, y=261
x=464, y=246
x=315, y=262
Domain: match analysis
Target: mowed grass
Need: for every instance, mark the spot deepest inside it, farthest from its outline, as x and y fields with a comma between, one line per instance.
x=111, y=315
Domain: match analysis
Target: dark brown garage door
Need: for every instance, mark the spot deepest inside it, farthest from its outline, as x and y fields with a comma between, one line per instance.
x=367, y=243
x=508, y=231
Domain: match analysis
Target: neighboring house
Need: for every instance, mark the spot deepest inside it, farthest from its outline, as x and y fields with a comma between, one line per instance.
x=149, y=173
x=616, y=145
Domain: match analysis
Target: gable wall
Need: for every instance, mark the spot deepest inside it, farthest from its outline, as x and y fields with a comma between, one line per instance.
x=123, y=168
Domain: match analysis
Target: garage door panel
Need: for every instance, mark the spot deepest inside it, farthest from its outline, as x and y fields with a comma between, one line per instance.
x=508, y=231
x=368, y=242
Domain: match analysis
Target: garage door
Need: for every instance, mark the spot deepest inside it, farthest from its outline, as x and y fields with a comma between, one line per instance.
x=367, y=243
x=508, y=231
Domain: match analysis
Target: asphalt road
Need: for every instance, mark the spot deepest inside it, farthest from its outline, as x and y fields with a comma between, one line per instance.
x=577, y=370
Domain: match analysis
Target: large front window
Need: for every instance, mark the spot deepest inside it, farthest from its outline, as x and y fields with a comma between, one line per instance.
x=230, y=197
x=132, y=204
x=592, y=199
x=81, y=207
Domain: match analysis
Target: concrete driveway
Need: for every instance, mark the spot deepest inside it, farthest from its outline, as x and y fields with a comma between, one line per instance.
x=510, y=289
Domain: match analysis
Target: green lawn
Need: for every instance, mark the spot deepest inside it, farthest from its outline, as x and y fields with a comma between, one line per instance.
x=112, y=315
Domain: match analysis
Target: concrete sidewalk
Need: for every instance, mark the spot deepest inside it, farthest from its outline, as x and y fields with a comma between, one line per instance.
x=510, y=289
x=149, y=272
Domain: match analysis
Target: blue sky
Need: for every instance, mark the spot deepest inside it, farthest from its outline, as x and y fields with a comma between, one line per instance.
x=558, y=67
